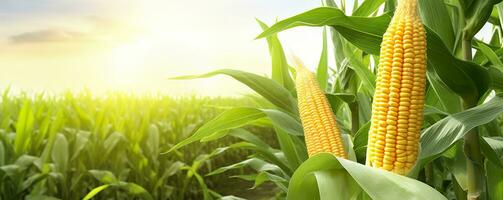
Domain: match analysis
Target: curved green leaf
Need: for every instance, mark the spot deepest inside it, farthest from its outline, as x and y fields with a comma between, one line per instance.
x=255, y=163
x=237, y=117
x=24, y=126
x=378, y=184
x=322, y=70
x=362, y=70
x=266, y=87
x=137, y=190
x=33, y=180
x=449, y=100
x=3, y=158
x=493, y=149
x=467, y=79
x=59, y=153
x=95, y=191
x=104, y=176
x=292, y=147
x=476, y=15
x=441, y=135
x=494, y=181
x=336, y=184
x=280, y=72
x=435, y=15
x=497, y=78
x=364, y=32
x=360, y=141
x=368, y=7
x=263, y=150
x=489, y=53
x=40, y=197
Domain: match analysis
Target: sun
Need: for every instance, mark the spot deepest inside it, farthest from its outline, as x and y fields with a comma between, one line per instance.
x=127, y=60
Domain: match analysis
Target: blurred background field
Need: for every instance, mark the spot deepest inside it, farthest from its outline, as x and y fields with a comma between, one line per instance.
x=69, y=144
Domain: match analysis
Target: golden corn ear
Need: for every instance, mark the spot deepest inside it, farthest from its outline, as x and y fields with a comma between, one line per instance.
x=397, y=110
x=320, y=128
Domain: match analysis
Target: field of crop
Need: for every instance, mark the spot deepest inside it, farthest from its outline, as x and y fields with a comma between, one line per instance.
x=69, y=145
x=406, y=102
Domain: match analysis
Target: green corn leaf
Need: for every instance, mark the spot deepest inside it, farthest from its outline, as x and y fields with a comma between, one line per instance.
x=492, y=147
x=490, y=54
x=237, y=117
x=112, y=142
x=494, y=181
x=322, y=70
x=467, y=79
x=378, y=184
x=95, y=191
x=24, y=128
x=153, y=140
x=40, y=197
x=441, y=135
x=434, y=15
x=360, y=141
x=2, y=154
x=390, y=5
x=368, y=78
x=254, y=163
x=32, y=180
x=264, y=150
x=329, y=185
x=104, y=176
x=368, y=7
x=280, y=72
x=476, y=15
x=294, y=149
x=268, y=88
x=346, y=97
x=59, y=153
x=81, y=140
x=364, y=32
x=497, y=78
x=449, y=100
x=137, y=190
x=498, y=12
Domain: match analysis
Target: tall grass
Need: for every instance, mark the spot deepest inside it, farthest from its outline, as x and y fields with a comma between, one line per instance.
x=76, y=144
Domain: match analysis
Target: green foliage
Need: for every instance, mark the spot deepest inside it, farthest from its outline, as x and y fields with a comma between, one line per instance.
x=79, y=146
x=269, y=89
x=76, y=145
x=441, y=135
x=462, y=113
x=358, y=180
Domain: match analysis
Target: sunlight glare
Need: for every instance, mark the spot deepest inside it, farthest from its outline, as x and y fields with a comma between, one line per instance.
x=127, y=61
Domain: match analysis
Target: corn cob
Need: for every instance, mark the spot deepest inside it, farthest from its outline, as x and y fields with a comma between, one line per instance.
x=321, y=132
x=397, y=110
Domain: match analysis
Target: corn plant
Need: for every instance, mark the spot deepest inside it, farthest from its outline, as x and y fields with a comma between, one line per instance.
x=452, y=147
x=80, y=146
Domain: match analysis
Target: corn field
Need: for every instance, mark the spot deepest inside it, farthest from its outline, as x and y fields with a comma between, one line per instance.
x=74, y=145
x=411, y=108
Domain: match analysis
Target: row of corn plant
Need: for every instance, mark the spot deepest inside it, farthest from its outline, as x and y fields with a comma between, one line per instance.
x=80, y=146
x=415, y=95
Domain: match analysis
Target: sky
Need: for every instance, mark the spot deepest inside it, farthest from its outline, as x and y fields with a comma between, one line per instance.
x=135, y=45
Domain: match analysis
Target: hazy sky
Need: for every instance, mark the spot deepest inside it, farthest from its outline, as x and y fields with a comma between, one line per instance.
x=134, y=45
x=130, y=45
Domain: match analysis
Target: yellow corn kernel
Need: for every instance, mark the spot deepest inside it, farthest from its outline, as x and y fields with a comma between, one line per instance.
x=397, y=110
x=321, y=132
